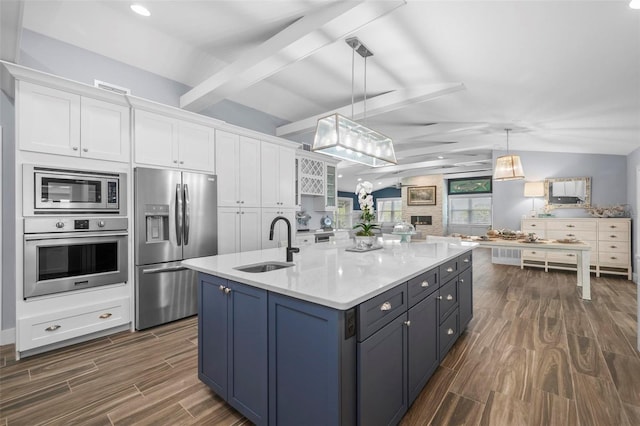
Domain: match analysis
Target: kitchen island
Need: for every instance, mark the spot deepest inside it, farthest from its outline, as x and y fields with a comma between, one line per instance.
x=339, y=337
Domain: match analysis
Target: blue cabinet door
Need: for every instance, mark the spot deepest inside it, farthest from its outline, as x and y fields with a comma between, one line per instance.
x=465, y=297
x=423, y=344
x=382, y=375
x=212, y=333
x=247, y=344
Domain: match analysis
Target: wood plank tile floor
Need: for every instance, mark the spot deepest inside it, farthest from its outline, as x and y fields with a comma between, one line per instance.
x=534, y=354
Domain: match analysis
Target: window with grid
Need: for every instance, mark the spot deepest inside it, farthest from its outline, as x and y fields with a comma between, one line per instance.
x=470, y=210
x=389, y=209
x=344, y=213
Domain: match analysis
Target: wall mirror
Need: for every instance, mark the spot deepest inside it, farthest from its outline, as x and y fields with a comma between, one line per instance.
x=567, y=192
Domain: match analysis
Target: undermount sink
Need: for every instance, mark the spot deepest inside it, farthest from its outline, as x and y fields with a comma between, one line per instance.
x=263, y=267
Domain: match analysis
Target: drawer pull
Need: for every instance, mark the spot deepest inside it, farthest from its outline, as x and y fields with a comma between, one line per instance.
x=612, y=226
x=534, y=225
x=465, y=260
x=449, y=297
x=534, y=252
x=571, y=226
x=450, y=331
x=571, y=255
x=613, y=236
x=105, y=315
x=386, y=306
x=407, y=323
x=52, y=327
x=449, y=269
x=613, y=258
x=571, y=235
x=425, y=283
x=613, y=246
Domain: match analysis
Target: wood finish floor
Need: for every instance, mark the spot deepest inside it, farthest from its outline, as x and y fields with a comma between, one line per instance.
x=534, y=354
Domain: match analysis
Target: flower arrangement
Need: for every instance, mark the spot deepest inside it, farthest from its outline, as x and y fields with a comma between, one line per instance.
x=365, y=199
x=616, y=210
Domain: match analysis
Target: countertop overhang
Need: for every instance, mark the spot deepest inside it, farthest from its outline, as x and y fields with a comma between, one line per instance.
x=326, y=274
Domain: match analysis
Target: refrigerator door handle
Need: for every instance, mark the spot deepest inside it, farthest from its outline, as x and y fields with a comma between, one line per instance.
x=161, y=270
x=178, y=214
x=187, y=214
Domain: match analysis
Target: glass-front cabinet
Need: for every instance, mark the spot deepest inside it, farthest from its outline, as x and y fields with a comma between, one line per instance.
x=331, y=193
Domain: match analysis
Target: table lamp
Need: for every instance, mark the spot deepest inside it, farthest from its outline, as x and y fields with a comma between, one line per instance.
x=534, y=190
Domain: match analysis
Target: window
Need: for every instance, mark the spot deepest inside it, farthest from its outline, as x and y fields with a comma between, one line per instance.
x=389, y=209
x=344, y=213
x=469, y=210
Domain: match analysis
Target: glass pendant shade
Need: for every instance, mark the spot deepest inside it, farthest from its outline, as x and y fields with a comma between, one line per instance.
x=340, y=137
x=508, y=167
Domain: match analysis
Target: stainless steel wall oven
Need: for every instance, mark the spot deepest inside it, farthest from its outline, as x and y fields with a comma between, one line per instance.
x=71, y=253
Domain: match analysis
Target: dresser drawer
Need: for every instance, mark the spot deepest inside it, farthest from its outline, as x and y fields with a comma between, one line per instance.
x=614, y=225
x=377, y=312
x=571, y=226
x=614, y=259
x=533, y=225
x=613, y=247
x=448, y=298
x=577, y=234
x=562, y=257
x=62, y=325
x=613, y=236
x=448, y=333
x=534, y=254
x=448, y=270
x=423, y=285
x=465, y=261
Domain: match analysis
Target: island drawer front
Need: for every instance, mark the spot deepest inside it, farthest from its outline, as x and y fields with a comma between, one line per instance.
x=465, y=260
x=534, y=254
x=423, y=285
x=613, y=236
x=570, y=225
x=531, y=225
x=614, y=225
x=449, y=333
x=448, y=298
x=448, y=270
x=562, y=257
x=578, y=234
x=380, y=310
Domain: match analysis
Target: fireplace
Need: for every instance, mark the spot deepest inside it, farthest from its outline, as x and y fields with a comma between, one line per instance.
x=420, y=220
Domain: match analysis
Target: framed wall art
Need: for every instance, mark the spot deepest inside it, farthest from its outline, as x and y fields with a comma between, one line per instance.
x=421, y=196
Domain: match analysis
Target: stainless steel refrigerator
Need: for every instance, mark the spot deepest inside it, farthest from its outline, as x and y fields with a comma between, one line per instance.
x=175, y=219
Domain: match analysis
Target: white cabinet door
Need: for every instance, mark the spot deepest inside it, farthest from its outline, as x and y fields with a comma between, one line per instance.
x=270, y=175
x=287, y=179
x=228, y=230
x=48, y=120
x=280, y=233
x=104, y=130
x=196, y=147
x=155, y=138
x=249, y=176
x=250, y=229
x=226, y=160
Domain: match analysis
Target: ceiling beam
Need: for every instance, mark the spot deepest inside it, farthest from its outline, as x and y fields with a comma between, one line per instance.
x=427, y=164
x=10, y=30
x=380, y=104
x=299, y=40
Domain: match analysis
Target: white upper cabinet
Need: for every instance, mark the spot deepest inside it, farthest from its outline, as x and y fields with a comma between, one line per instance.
x=238, y=170
x=167, y=141
x=278, y=176
x=58, y=122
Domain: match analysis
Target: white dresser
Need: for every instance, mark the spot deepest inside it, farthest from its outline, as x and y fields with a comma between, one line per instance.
x=610, y=240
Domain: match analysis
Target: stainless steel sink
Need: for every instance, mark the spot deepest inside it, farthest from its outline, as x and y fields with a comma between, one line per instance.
x=263, y=267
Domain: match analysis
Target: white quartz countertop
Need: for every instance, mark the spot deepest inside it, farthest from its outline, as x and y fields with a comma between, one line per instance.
x=326, y=274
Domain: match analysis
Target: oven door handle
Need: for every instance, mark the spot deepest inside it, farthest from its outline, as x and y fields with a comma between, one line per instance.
x=166, y=269
x=74, y=235
x=178, y=214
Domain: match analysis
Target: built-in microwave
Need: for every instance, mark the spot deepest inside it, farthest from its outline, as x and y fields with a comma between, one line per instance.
x=61, y=191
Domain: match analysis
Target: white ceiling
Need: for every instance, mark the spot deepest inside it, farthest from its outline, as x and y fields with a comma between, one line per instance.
x=565, y=75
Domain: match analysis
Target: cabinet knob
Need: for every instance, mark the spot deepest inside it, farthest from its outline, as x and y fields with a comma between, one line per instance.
x=85, y=149
x=52, y=327
x=386, y=306
x=613, y=246
x=450, y=331
x=407, y=323
x=461, y=280
x=613, y=258
x=221, y=288
x=60, y=224
x=105, y=315
x=241, y=212
x=425, y=283
x=449, y=269
x=439, y=297
x=465, y=260
x=449, y=297
x=101, y=224
x=175, y=161
x=534, y=252
x=75, y=148
x=227, y=290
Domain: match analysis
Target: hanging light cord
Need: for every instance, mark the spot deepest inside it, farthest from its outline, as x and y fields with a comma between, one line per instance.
x=364, y=119
x=353, y=59
x=507, y=130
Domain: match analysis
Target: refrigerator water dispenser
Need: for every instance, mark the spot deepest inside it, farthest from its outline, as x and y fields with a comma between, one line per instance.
x=157, y=222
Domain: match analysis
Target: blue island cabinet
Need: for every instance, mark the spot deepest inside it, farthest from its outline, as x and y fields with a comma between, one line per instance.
x=232, y=344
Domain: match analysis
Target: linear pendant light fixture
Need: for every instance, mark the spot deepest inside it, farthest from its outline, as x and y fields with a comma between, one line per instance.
x=508, y=167
x=340, y=137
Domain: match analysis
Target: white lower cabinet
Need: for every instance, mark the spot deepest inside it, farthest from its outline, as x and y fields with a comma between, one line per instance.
x=280, y=232
x=238, y=229
x=57, y=326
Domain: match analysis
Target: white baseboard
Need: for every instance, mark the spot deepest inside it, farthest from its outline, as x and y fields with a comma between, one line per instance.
x=7, y=336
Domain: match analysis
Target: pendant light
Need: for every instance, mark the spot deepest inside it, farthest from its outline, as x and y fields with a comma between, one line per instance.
x=508, y=167
x=340, y=137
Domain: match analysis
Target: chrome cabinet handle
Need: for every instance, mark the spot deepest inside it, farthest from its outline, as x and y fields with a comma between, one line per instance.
x=105, y=315
x=461, y=280
x=407, y=323
x=465, y=260
x=386, y=306
x=449, y=297
x=425, y=283
x=439, y=297
x=450, y=331
x=449, y=269
x=221, y=288
x=52, y=327
x=227, y=290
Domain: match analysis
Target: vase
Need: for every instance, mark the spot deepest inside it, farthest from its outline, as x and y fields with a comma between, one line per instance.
x=365, y=242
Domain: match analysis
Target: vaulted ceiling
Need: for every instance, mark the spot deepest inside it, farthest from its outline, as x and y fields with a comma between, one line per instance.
x=447, y=77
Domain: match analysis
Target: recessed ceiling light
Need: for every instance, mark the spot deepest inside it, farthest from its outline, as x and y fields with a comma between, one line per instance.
x=634, y=4
x=440, y=157
x=379, y=183
x=339, y=176
x=359, y=179
x=140, y=10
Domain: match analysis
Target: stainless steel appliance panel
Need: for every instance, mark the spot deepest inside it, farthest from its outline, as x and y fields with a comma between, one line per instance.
x=158, y=213
x=200, y=215
x=164, y=292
